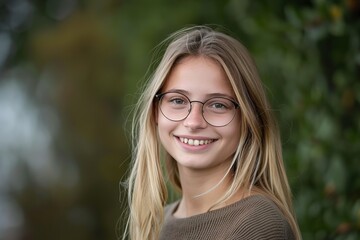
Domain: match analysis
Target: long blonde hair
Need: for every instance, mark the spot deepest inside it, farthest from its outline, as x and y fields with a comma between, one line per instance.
x=258, y=159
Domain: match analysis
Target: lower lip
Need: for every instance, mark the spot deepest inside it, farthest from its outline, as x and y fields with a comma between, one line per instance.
x=193, y=147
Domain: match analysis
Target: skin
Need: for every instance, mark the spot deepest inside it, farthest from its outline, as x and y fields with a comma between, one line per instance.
x=200, y=167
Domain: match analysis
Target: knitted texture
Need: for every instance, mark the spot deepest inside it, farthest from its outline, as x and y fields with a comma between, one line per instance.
x=254, y=217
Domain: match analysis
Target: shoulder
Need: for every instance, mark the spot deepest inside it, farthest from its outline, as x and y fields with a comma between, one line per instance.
x=254, y=217
x=259, y=206
x=258, y=217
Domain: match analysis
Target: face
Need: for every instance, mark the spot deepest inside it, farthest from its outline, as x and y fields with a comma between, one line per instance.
x=192, y=142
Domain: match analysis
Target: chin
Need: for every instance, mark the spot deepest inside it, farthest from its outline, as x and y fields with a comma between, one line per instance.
x=194, y=164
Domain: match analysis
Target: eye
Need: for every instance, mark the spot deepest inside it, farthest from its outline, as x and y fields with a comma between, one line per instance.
x=219, y=105
x=177, y=101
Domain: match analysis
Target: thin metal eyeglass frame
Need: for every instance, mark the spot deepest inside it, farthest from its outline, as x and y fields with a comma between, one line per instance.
x=159, y=97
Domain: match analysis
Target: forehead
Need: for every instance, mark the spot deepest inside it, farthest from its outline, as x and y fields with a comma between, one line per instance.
x=198, y=76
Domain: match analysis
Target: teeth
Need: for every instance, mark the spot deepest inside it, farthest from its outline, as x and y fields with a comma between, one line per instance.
x=195, y=142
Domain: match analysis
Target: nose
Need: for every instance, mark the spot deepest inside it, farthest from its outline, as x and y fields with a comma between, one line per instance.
x=195, y=119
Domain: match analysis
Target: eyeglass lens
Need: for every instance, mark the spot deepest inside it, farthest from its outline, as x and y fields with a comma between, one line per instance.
x=217, y=111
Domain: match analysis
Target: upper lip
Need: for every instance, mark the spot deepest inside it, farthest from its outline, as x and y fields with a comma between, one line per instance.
x=195, y=137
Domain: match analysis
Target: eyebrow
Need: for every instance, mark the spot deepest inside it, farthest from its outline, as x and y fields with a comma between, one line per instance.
x=209, y=95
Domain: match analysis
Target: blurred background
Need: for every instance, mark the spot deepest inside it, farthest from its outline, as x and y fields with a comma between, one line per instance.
x=70, y=71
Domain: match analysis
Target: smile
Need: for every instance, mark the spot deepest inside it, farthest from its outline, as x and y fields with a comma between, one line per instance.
x=195, y=142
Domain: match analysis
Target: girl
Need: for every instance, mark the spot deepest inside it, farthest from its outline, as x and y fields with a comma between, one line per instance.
x=206, y=108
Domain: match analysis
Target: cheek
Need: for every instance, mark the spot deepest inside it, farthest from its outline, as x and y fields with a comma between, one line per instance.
x=165, y=130
x=233, y=137
x=233, y=134
x=164, y=127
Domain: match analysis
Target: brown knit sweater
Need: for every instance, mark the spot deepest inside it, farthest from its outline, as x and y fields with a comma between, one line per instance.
x=254, y=217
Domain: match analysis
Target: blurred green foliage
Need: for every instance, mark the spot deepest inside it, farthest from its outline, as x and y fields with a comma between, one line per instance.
x=92, y=57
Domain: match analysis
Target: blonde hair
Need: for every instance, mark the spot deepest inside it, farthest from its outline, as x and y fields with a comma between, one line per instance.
x=258, y=160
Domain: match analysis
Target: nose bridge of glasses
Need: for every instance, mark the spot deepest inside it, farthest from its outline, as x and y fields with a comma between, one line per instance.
x=195, y=116
x=195, y=101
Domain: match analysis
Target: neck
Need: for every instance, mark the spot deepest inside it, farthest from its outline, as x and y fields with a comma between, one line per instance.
x=202, y=189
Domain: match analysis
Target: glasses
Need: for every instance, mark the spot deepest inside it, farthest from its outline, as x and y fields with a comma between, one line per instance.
x=216, y=111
